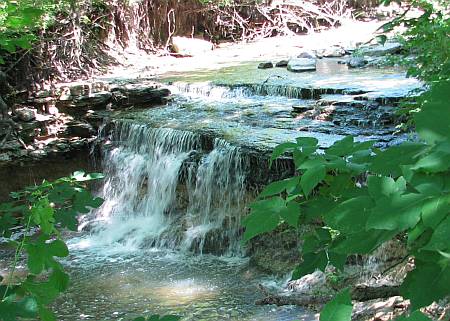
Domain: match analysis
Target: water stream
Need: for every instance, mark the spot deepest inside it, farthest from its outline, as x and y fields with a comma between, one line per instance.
x=167, y=238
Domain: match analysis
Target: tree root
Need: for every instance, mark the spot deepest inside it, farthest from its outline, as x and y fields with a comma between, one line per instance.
x=358, y=293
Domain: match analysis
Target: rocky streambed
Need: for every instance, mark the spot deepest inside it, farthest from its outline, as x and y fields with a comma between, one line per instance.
x=183, y=156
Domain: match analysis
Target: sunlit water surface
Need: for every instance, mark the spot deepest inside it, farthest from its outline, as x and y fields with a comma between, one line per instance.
x=108, y=284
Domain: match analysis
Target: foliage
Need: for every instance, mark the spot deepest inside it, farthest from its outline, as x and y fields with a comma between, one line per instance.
x=426, y=37
x=340, y=308
x=19, y=20
x=365, y=196
x=40, y=211
x=36, y=215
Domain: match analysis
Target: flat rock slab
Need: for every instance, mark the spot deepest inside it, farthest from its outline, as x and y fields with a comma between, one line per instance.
x=301, y=64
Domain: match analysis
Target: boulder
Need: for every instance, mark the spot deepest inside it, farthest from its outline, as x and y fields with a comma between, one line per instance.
x=301, y=64
x=139, y=95
x=25, y=114
x=265, y=65
x=94, y=100
x=331, y=52
x=190, y=46
x=30, y=130
x=79, y=129
x=306, y=54
x=357, y=62
x=381, y=50
x=282, y=63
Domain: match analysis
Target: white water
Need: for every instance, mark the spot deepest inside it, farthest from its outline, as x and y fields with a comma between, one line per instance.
x=149, y=204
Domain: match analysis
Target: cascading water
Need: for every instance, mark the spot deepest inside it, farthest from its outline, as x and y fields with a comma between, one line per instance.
x=216, y=200
x=145, y=192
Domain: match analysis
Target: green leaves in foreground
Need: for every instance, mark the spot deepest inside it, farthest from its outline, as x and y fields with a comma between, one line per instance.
x=358, y=197
x=338, y=309
x=45, y=208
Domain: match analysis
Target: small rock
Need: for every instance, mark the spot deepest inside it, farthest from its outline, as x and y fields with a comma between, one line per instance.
x=301, y=109
x=83, y=130
x=4, y=157
x=62, y=146
x=332, y=52
x=44, y=94
x=356, y=62
x=306, y=54
x=79, y=90
x=265, y=65
x=38, y=153
x=25, y=114
x=282, y=63
x=301, y=64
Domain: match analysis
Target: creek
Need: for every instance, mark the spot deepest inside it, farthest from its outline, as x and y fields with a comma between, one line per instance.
x=179, y=177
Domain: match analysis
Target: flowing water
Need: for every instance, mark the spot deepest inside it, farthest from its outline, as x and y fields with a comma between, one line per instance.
x=178, y=178
x=168, y=200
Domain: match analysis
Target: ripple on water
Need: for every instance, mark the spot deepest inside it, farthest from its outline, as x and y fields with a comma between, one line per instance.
x=123, y=285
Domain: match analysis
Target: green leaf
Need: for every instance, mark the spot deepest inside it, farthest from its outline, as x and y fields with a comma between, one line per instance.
x=415, y=316
x=46, y=315
x=362, y=242
x=264, y=217
x=432, y=122
x=42, y=214
x=342, y=147
x=311, y=178
x=440, y=238
x=67, y=218
x=317, y=207
x=340, y=308
x=380, y=186
x=27, y=307
x=351, y=215
x=381, y=39
x=307, y=145
x=396, y=213
x=389, y=161
x=434, y=210
x=311, y=262
x=59, y=280
x=281, y=149
x=40, y=254
x=291, y=213
x=84, y=201
x=170, y=318
x=428, y=282
x=435, y=162
x=280, y=186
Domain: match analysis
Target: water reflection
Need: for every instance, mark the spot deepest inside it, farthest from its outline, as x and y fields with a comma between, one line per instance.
x=121, y=286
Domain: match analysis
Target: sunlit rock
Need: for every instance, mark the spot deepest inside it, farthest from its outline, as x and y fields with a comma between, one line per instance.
x=381, y=50
x=190, y=46
x=301, y=64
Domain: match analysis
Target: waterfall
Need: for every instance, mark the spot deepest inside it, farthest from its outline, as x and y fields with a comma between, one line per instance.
x=163, y=190
x=216, y=199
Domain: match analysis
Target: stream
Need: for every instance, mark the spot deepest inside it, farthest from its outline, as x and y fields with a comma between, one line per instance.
x=179, y=177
